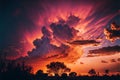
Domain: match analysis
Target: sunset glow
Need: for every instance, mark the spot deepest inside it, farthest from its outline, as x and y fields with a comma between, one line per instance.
x=79, y=33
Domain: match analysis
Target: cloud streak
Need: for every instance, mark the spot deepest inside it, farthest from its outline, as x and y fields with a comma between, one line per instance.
x=110, y=50
x=84, y=42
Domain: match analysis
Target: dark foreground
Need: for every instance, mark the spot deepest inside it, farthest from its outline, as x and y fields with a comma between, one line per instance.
x=10, y=70
x=82, y=78
x=45, y=77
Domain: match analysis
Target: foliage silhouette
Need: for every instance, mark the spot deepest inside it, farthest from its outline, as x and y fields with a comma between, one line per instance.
x=57, y=68
x=40, y=75
x=73, y=74
x=106, y=71
x=92, y=72
x=11, y=70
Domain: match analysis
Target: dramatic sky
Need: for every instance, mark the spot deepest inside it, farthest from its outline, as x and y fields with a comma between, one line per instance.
x=70, y=31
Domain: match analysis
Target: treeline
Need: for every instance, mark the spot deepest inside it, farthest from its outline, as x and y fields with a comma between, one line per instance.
x=12, y=70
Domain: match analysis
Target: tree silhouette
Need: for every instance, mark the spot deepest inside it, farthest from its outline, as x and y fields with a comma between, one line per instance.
x=73, y=74
x=106, y=72
x=40, y=75
x=15, y=71
x=57, y=68
x=39, y=72
x=64, y=75
x=92, y=72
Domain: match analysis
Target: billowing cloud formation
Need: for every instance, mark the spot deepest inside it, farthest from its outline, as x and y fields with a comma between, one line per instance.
x=22, y=20
x=72, y=20
x=62, y=31
x=53, y=44
x=104, y=51
x=44, y=47
x=113, y=33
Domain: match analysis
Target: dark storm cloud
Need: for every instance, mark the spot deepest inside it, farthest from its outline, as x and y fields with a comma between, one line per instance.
x=72, y=20
x=44, y=47
x=62, y=31
x=110, y=50
x=113, y=33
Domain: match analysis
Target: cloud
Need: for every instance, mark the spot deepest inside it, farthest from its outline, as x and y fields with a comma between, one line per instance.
x=89, y=55
x=110, y=50
x=53, y=46
x=113, y=60
x=72, y=20
x=53, y=43
x=62, y=31
x=30, y=16
x=84, y=42
x=11, y=52
x=112, y=33
x=81, y=63
x=118, y=59
x=103, y=61
x=43, y=46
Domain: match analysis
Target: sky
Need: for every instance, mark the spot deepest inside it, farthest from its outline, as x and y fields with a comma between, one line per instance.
x=69, y=31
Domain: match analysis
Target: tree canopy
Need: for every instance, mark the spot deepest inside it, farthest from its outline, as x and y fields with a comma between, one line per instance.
x=57, y=68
